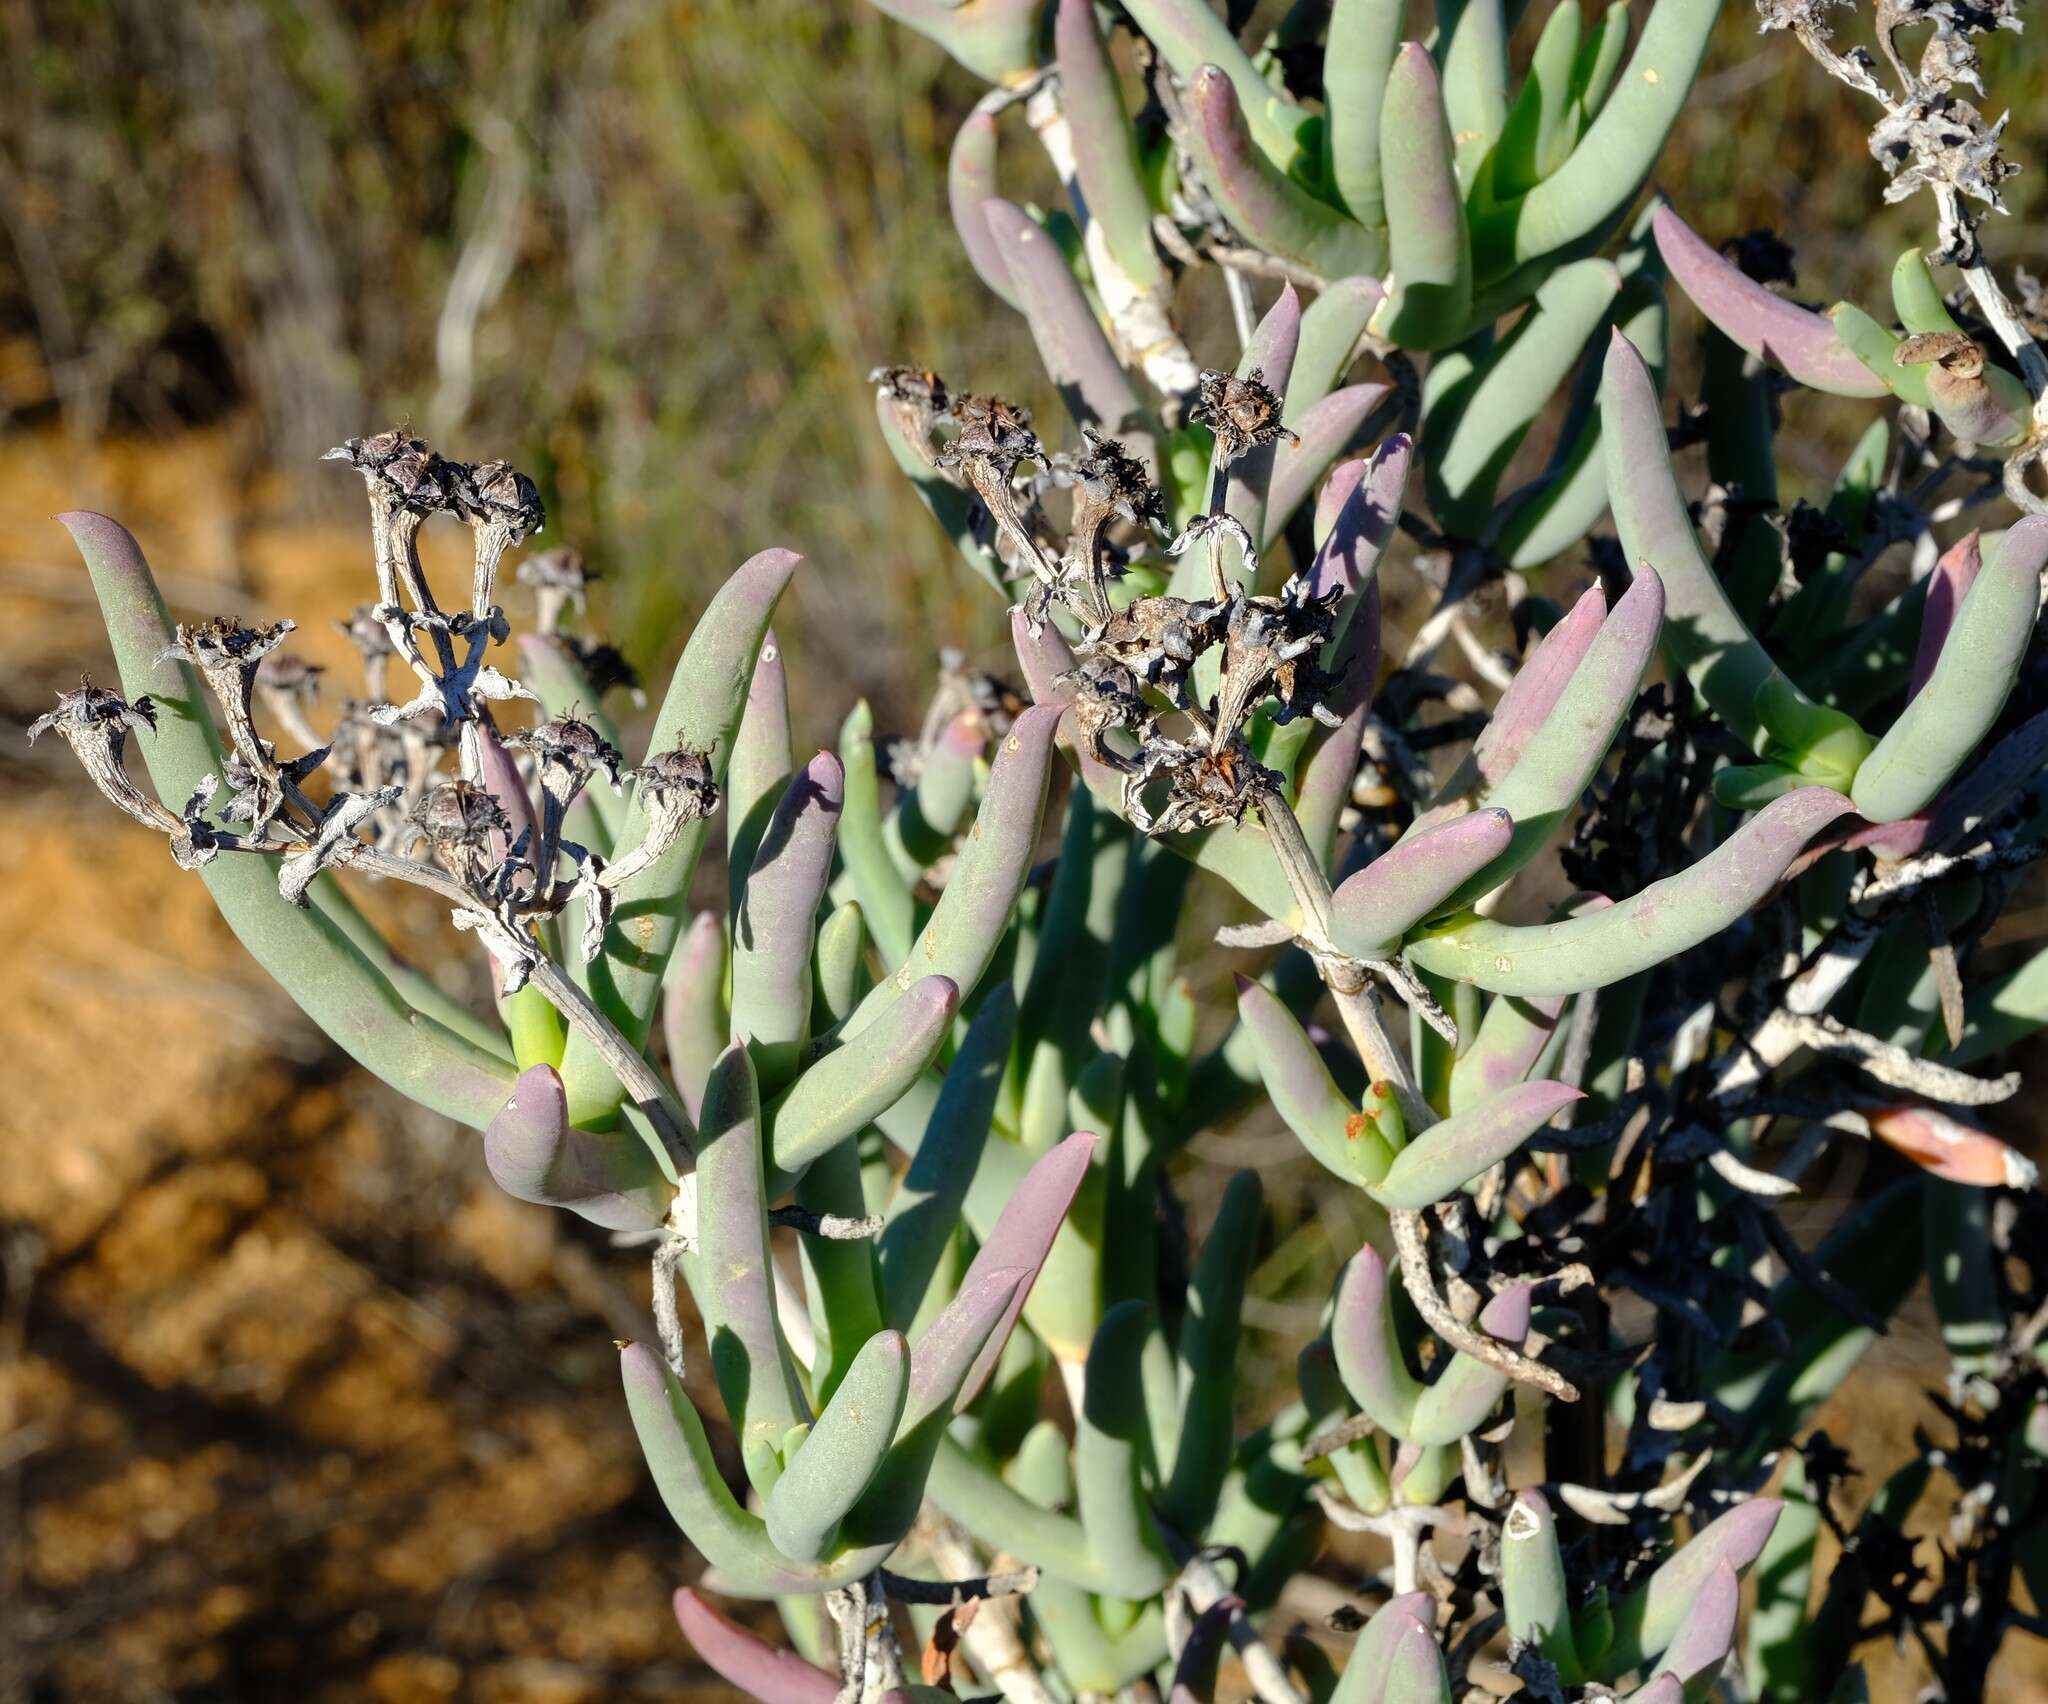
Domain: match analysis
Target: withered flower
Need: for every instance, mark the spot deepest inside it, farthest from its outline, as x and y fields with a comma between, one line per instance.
x=1270, y=649
x=566, y=753
x=560, y=582
x=1109, y=485
x=503, y=508
x=1107, y=696
x=457, y=820
x=1205, y=788
x=1243, y=413
x=407, y=482
x=995, y=437
x=1158, y=639
x=227, y=656
x=94, y=723
x=917, y=397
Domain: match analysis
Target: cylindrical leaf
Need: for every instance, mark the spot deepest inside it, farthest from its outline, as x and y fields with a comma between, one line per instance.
x=608, y=1177
x=1663, y=920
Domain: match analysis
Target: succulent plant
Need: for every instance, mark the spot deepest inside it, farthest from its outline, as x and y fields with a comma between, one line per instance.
x=1564, y=1372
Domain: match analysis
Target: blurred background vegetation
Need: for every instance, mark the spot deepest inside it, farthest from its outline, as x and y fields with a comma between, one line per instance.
x=291, y=1402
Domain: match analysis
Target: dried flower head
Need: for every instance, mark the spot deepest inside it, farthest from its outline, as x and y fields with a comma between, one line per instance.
x=458, y=821
x=1109, y=485
x=1206, y=788
x=1158, y=640
x=227, y=656
x=95, y=723
x=566, y=753
x=676, y=789
x=1106, y=696
x=1270, y=649
x=1243, y=413
x=993, y=433
x=918, y=399
x=560, y=582
x=503, y=508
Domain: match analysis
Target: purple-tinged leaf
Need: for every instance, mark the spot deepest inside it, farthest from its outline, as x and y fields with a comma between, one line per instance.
x=1955, y=572
x=701, y=712
x=1800, y=343
x=777, y=918
x=740, y=1659
x=1663, y=920
x=1971, y=678
x=1707, y=1633
x=1469, y=1390
x=1428, y=304
x=970, y=186
x=1649, y=1617
x=1105, y=143
x=1022, y=1237
x=842, y=1452
x=733, y=1541
x=731, y=1271
x=535, y=1154
x=1415, y=1671
x=1071, y=342
x=1332, y=328
x=1413, y=879
x=1324, y=432
x=1261, y=202
x=973, y=913
x=693, y=1017
x=849, y=1088
x=1303, y=1091
x=1451, y=1153
x=1356, y=518
x=1515, y=1033
x=1561, y=753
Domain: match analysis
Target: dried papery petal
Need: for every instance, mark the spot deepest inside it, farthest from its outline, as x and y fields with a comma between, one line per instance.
x=457, y=820
x=94, y=723
x=503, y=508
x=560, y=582
x=1243, y=413
x=918, y=398
x=1950, y=1149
